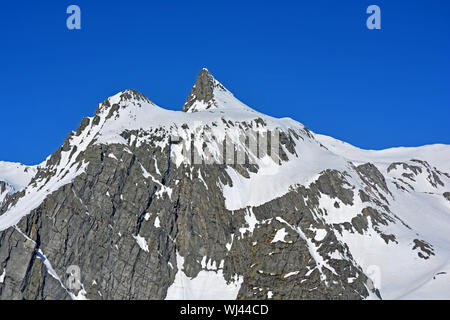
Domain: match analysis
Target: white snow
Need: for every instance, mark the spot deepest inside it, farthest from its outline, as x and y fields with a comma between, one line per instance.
x=230, y=244
x=16, y=175
x=2, y=276
x=157, y=223
x=111, y=155
x=280, y=235
x=141, y=242
x=251, y=221
x=34, y=196
x=437, y=155
x=320, y=234
x=222, y=99
x=54, y=274
x=400, y=273
x=435, y=287
x=273, y=180
x=208, y=285
x=289, y=274
x=313, y=250
x=63, y=172
x=81, y=295
x=49, y=267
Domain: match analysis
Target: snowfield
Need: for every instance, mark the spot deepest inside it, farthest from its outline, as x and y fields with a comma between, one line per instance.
x=16, y=175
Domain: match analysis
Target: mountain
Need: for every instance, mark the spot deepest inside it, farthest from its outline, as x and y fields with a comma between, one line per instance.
x=219, y=201
x=14, y=177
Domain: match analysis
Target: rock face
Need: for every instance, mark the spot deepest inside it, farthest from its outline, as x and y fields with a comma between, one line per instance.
x=447, y=195
x=5, y=190
x=139, y=219
x=203, y=91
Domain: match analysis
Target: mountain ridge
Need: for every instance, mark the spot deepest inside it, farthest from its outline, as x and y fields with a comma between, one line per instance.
x=160, y=207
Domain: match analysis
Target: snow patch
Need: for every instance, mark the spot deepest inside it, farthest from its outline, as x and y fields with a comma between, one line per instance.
x=141, y=242
x=157, y=223
x=280, y=235
x=2, y=276
x=208, y=285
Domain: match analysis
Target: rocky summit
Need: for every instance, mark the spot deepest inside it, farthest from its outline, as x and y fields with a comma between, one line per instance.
x=219, y=201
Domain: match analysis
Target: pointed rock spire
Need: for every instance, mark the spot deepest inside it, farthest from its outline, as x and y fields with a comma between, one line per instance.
x=202, y=93
x=208, y=93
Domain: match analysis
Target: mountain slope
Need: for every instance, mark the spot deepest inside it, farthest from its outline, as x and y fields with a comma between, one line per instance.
x=436, y=155
x=14, y=177
x=419, y=191
x=220, y=201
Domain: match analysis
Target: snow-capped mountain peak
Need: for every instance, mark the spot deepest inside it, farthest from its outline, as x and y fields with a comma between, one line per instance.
x=215, y=205
x=209, y=94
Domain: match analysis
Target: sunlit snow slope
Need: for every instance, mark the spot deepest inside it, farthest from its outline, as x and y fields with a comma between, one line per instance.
x=14, y=177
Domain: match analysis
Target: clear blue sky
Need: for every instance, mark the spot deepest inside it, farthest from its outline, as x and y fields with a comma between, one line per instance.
x=313, y=61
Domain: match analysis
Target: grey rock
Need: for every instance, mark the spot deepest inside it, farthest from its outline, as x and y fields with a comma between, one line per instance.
x=447, y=195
